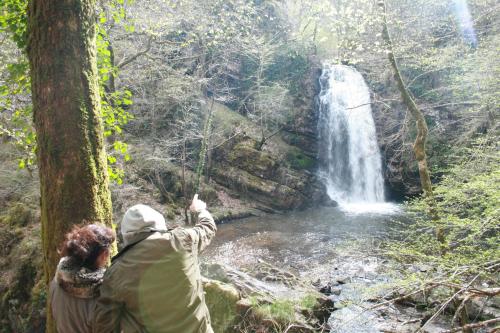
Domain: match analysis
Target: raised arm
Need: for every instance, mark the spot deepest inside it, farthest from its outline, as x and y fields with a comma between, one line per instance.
x=198, y=237
x=205, y=229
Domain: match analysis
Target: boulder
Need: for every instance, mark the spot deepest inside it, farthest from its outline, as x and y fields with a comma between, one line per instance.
x=250, y=301
x=221, y=299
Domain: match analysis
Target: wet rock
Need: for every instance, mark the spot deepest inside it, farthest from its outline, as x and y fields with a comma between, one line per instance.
x=214, y=272
x=353, y=318
x=326, y=290
x=343, y=279
x=334, y=299
x=301, y=132
x=336, y=291
x=481, y=309
x=329, y=202
x=221, y=300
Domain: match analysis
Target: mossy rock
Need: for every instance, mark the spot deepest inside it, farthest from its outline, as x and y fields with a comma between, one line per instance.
x=300, y=161
x=18, y=214
x=279, y=311
x=9, y=238
x=266, y=191
x=271, y=315
x=21, y=284
x=244, y=156
x=307, y=144
x=221, y=299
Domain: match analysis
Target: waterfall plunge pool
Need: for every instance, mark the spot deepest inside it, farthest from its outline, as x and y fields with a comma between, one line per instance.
x=308, y=243
x=320, y=246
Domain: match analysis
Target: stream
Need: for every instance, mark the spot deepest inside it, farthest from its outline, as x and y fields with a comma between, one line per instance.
x=334, y=246
x=298, y=241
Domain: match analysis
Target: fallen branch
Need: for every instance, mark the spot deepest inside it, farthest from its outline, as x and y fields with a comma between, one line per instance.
x=445, y=304
x=474, y=325
x=428, y=286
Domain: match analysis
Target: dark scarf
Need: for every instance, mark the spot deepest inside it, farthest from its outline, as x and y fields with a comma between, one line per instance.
x=78, y=281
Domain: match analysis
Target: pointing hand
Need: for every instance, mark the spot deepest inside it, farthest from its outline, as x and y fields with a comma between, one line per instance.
x=197, y=205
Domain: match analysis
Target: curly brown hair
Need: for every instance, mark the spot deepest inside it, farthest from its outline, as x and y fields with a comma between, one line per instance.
x=85, y=243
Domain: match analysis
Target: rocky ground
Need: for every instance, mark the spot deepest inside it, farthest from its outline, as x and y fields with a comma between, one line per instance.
x=358, y=297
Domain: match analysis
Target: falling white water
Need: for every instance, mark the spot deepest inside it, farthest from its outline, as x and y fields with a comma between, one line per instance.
x=350, y=161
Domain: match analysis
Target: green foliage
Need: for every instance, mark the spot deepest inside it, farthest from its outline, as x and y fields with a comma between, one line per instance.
x=16, y=119
x=468, y=205
x=21, y=133
x=282, y=311
x=308, y=302
x=221, y=301
x=13, y=19
x=15, y=102
x=114, y=103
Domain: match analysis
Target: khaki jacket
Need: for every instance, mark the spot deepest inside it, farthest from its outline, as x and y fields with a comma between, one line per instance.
x=154, y=286
x=71, y=314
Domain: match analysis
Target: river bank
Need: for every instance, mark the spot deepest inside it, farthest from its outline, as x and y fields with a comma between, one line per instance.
x=336, y=252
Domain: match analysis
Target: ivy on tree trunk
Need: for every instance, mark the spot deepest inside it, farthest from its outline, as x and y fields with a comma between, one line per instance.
x=66, y=106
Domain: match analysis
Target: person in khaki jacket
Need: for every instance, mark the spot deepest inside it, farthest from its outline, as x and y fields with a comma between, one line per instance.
x=154, y=284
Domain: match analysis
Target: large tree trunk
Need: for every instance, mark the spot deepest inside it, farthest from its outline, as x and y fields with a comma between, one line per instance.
x=66, y=107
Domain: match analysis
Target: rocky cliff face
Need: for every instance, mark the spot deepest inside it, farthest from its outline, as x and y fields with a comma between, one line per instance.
x=244, y=175
x=279, y=178
x=400, y=172
x=281, y=175
x=302, y=131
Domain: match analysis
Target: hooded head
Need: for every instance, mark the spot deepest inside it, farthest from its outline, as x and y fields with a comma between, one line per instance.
x=140, y=219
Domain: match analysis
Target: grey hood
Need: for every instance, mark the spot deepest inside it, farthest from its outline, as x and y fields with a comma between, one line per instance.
x=140, y=219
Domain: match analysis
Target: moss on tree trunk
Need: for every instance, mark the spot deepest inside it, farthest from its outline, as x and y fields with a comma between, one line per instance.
x=421, y=126
x=66, y=107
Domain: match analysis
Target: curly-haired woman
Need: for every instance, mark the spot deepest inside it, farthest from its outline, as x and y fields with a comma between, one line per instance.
x=78, y=277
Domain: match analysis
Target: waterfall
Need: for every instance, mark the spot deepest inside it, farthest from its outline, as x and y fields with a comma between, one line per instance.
x=349, y=156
